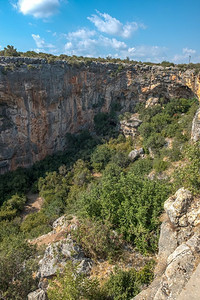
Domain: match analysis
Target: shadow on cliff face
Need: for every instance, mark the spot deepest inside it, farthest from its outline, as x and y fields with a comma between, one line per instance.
x=183, y=91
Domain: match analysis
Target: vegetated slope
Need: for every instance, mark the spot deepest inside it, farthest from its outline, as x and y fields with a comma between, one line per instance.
x=117, y=209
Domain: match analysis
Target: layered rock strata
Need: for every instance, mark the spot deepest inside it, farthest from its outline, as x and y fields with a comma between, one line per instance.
x=40, y=102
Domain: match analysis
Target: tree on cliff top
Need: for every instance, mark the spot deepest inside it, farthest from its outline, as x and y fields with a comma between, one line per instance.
x=9, y=51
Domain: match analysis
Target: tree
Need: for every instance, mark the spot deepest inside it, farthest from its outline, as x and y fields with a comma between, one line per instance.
x=10, y=51
x=16, y=269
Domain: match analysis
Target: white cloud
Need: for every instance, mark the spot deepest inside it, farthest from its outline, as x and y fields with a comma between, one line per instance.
x=187, y=51
x=186, y=55
x=107, y=24
x=113, y=43
x=144, y=51
x=87, y=42
x=81, y=34
x=68, y=46
x=38, y=8
x=41, y=45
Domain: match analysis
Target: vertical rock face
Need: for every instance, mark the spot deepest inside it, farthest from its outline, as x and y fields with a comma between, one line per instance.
x=41, y=102
x=179, y=251
x=195, y=135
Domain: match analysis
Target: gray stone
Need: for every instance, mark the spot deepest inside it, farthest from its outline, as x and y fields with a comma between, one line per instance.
x=191, y=290
x=37, y=295
x=56, y=255
x=177, y=205
x=179, y=252
x=134, y=154
x=195, y=134
x=167, y=241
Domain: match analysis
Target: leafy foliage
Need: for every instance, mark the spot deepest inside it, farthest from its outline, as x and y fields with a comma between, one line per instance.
x=16, y=269
x=98, y=240
x=123, y=285
x=74, y=286
x=132, y=205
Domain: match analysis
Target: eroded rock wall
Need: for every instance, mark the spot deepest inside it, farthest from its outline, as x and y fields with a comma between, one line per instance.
x=41, y=102
x=178, y=260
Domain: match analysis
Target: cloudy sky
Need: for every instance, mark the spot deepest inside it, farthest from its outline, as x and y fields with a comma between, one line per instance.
x=146, y=30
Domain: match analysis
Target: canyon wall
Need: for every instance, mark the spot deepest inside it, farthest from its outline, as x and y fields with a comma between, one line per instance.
x=40, y=102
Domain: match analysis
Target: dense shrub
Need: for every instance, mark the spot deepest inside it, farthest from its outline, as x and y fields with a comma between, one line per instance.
x=160, y=165
x=132, y=205
x=54, y=189
x=141, y=167
x=105, y=124
x=16, y=269
x=189, y=174
x=35, y=224
x=98, y=240
x=12, y=207
x=171, y=119
x=75, y=286
x=100, y=157
x=124, y=285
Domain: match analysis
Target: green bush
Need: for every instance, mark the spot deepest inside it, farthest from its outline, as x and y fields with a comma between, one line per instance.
x=100, y=157
x=141, y=167
x=189, y=175
x=16, y=269
x=74, y=286
x=124, y=285
x=131, y=204
x=35, y=224
x=98, y=240
x=12, y=207
x=160, y=165
x=155, y=142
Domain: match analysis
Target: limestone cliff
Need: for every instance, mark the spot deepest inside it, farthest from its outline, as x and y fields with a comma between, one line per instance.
x=41, y=102
x=178, y=265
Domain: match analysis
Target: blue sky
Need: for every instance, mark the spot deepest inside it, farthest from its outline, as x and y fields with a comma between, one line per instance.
x=146, y=30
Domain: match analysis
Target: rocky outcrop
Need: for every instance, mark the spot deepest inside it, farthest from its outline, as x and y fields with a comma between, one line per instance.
x=37, y=295
x=60, y=248
x=56, y=255
x=179, y=250
x=136, y=153
x=129, y=126
x=195, y=134
x=40, y=102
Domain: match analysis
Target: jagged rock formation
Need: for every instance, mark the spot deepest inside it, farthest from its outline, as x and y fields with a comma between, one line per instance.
x=195, y=135
x=40, y=102
x=129, y=127
x=60, y=249
x=37, y=295
x=179, y=251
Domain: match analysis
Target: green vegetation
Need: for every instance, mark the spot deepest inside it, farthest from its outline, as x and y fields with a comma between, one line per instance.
x=122, y=285
x=98, y=240
x=77, y=61
x=116, y=201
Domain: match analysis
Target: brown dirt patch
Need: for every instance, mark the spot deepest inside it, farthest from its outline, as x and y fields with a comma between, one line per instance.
x=51, y=237
x=33, y=204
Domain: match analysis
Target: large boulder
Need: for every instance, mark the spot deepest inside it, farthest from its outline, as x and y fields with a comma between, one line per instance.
x=56, y=256
x=37, y=295
x=136, y=153
x=176, y=206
